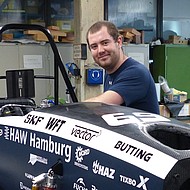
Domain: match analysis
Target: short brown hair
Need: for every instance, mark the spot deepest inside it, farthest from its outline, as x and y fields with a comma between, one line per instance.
x=112, y=29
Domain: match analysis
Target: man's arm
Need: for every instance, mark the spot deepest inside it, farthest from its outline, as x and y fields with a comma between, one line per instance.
x=109, y=97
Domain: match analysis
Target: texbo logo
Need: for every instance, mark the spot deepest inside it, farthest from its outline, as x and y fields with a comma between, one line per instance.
x=133, y=182
x=142, y=183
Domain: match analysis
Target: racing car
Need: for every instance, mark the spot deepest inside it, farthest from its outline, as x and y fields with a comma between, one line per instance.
x=89, y=146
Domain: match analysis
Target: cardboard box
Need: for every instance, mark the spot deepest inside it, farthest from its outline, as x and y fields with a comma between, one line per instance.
x=164, y=111
x=132, y=35
x=40, y=36
x=177, y=40
x=133, y=31
x=53, y=28
x=126, y=34
x=65, y=25
x=185, y=110
x=7, y=36
x=174, y=37
x=176, y=97
x=184, y=42
x=36, y=21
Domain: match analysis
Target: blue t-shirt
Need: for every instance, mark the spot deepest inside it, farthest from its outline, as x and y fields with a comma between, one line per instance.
x=134, y=83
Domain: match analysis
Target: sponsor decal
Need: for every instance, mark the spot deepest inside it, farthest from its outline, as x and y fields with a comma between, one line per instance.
x=133, y=151
x=94, y=187
x=15, y=135
x=55, y=124
x=79, y=130
x=1, y=132
x=80, y=185
x=84, y=133
x=34, y=158
x=141, y=183
x=80, y=153
x=44, y=144
x=99, y=169
x=22, y=186
x=49, y=145
x=29, y=176
x=33, y=119
x=117, y=145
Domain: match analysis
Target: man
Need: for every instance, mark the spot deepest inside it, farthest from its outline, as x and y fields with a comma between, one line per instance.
x=127, y=82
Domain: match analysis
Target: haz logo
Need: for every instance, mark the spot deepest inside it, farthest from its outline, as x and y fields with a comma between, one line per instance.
x=102, y=170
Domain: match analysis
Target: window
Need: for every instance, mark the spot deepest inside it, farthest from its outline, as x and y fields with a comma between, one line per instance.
x=42, y=12
x=138, y=14
x=62, y=14
x=176, y=18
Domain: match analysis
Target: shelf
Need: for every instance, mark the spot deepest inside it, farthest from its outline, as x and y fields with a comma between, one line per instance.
x=40, y=12
x=13, y=11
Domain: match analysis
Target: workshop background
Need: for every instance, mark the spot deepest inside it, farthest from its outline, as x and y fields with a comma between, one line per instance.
x=155, y=32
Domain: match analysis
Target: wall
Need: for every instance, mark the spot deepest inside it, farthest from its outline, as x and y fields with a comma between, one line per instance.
x=12, y=58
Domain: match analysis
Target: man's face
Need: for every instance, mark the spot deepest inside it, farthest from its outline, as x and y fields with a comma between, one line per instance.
x=105, y=51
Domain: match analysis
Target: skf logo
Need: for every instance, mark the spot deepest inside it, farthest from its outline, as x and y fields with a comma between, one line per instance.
x=102, y=170
x=80, y=153
x=134, y=183
x=33, y=119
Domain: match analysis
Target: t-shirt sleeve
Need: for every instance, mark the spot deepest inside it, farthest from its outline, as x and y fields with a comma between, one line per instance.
x=132, y=84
